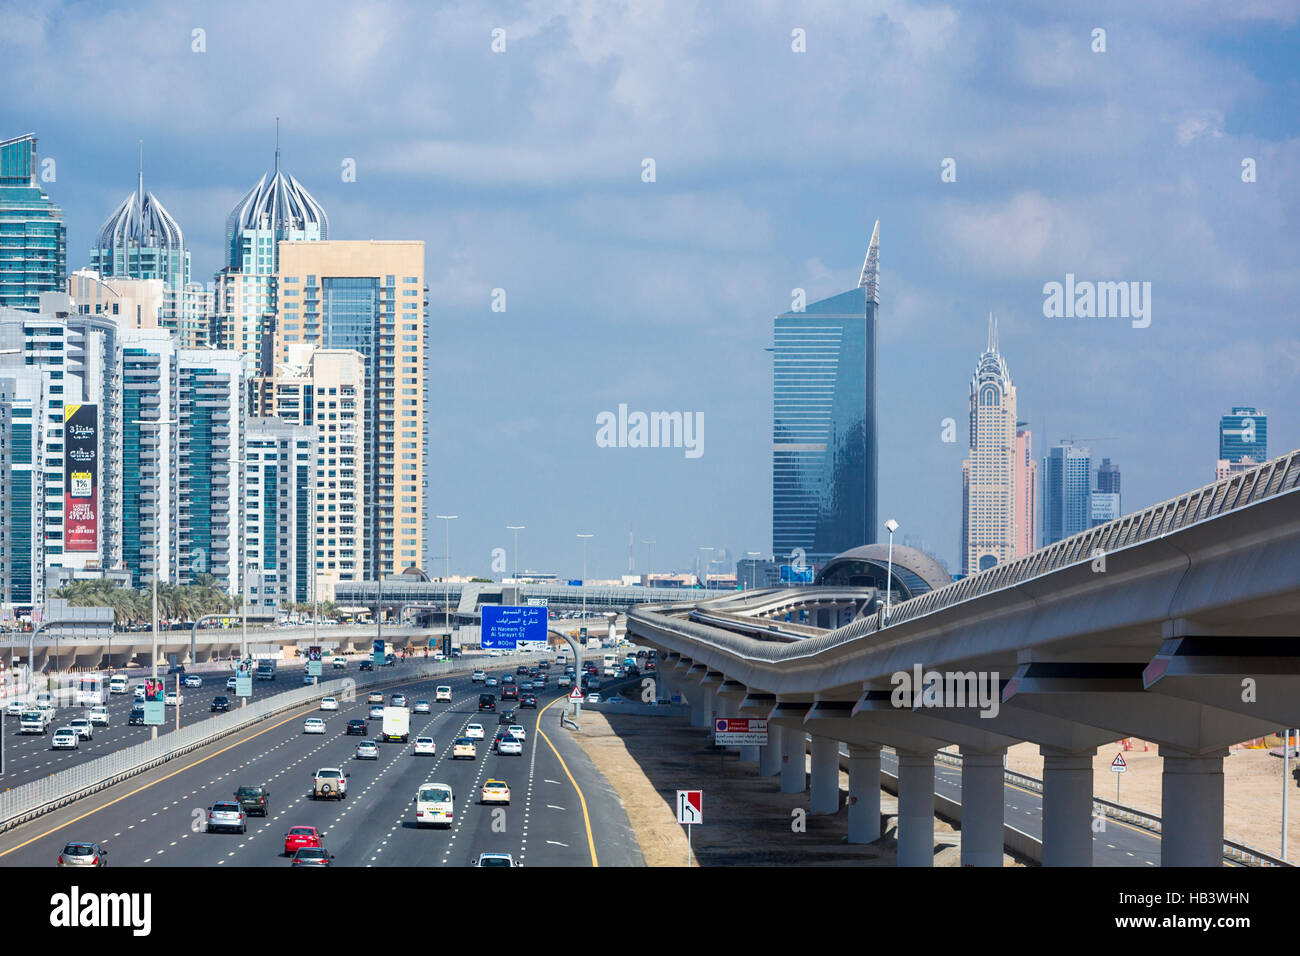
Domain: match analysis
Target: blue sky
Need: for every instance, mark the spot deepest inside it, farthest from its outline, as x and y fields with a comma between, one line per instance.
x=522, y=170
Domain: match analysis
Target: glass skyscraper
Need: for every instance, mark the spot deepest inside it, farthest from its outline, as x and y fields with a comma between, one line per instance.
x=824, y=422
x=33, y=240
x=1242, y=433
x=1067, y=492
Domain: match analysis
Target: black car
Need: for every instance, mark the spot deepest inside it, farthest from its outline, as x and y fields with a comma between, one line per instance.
x=220, y=703
x=254, y=800
x=137, y=715
x=312, y=856
x=506, y=717
x=366, y=666
x=528, y=700
x=487, y=702
x=521, y=669
x=356, y=727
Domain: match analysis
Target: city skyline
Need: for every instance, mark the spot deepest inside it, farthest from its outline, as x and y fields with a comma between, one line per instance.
x=609, y=279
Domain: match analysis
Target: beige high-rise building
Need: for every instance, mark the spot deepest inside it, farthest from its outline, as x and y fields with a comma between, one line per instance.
x=134, y=303
x=989, y=474
x=370, y=296
x=326, y=389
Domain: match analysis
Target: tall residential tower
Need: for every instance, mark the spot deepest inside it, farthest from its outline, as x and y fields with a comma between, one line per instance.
x=992, y=502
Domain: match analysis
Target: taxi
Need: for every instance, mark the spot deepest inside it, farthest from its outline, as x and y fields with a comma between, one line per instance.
x=495, y=791
x=464, y=747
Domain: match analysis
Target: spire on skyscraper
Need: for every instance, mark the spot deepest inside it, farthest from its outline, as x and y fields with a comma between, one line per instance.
x=870, y=279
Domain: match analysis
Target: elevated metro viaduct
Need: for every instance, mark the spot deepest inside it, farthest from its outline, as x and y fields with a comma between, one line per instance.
x=1177, y=624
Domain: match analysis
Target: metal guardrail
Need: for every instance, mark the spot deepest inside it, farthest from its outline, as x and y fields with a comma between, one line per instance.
x=30, y=800
x=1232, y=851
x=1271, y=479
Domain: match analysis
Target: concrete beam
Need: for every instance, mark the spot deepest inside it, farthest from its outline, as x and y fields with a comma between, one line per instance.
x=1255, y=676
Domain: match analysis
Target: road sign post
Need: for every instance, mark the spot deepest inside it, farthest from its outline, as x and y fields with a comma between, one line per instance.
x=690, y=812
x=1117, y=767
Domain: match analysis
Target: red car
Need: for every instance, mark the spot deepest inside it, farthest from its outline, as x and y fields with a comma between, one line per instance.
x=299, y=837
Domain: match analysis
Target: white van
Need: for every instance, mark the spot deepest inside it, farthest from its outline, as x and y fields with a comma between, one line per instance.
x=117, y=684
x=434, y=804
x=33, y=722
x=610, y=665
x=397, y=724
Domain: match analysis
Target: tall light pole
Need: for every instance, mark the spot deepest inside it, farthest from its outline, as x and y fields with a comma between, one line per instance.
x=446, y=578
x=891, y=526
x=753, y=568
x=584, y=536
x=704, y=581
x=516, y=528
x=157, y=557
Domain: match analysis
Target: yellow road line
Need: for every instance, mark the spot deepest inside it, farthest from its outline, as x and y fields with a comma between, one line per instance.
x=147, y=786
x=586, y=818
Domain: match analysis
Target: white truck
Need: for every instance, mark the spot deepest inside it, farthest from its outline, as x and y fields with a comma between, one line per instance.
x=33, y=722
x=397, y=724
x=609, y=666
x=265, y=669
x=117, y=684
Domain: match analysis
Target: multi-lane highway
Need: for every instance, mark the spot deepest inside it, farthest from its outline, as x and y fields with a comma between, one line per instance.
x=560, y=812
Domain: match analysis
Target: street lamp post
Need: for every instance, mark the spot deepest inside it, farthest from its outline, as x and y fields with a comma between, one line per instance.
x=891, y=526
x=446, y=578
x=516, y=528
x=704, y=581
x=584, y=536
x=753, y=568
x=153, y=655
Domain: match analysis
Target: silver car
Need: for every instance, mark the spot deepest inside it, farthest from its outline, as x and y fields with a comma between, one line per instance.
x=83, y=854
x=227, y=816
x=83, y=726
x=367, y=750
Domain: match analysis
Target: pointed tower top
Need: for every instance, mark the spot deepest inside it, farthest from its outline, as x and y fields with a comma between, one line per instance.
x=870, y=279
x=140, y=180
x=993, y=333
x=277, y=144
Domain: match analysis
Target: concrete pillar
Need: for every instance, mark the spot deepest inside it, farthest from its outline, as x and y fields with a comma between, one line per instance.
x=710, y=709
x=769, y=757
x=1191, y=809
x=701, y=709
x=663, y=684
x=726, y=707
x=915, y=808
x=825, y=794
x=794, y=748
x=1067, y=808
x=864, y=794
x=983, y=808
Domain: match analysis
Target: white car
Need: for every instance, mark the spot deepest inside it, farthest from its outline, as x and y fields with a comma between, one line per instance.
x=99, y=716
x=510, y=745
x=173, y=699
x=495, y=859
x=424, y=745
x=329, y=703
x=441, y=694
x=139, y=690
x=593, y=698
x=474, y=731
x=192, y=680
x=83, y=726
x=515, y=730
x=65, y=738
x=231, y=684
x=16, y=708
x=477, y=677
x=313, y=725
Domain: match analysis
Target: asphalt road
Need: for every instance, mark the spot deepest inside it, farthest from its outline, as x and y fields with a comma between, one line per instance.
x=561, y=811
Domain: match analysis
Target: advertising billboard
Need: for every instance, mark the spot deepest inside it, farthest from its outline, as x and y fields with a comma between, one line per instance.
x=81, y=477
x=506, y=626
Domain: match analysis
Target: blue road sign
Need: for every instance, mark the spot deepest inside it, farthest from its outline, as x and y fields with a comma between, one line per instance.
x=796, y=575
x=505, y=626
x=575, y=584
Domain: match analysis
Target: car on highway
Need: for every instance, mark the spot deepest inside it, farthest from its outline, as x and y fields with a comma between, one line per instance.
x=510, y=692
x=16, y=708
x=463, y=747
x=366, y=666
x=312, y=856
x=99, y=716
x=505, y=718
x=139, y=691
x=83, y=726
x=376, y=712
x=65, y=738
x=487, y=702
x=308, y=679
x=507, y=679
x=220, y=704
x=490, y=682
x=593, y=698
x=231, y=684
x=302, y=838
x=526, y=685
x=375, y=698
x=510, y=746
x=424, y=746
x=474, y=731
x=477, y=677
x=521, y=669
x=442, y=694
x=329, y=703
x=517, y=730
x=173, y=699
x=329, y=783
x=494, y=791
x=313, y=725
x=422, y=707
x=226, y=816
x=528, y=700
x=399, y=700
x=434, y=804
x=367, y=750
x=83, y=854
x=254, y=800
x=136, y=716
x=339, y=663
x=192, y=680
x=357, y=726
x=564, y=683
x=494, y=859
